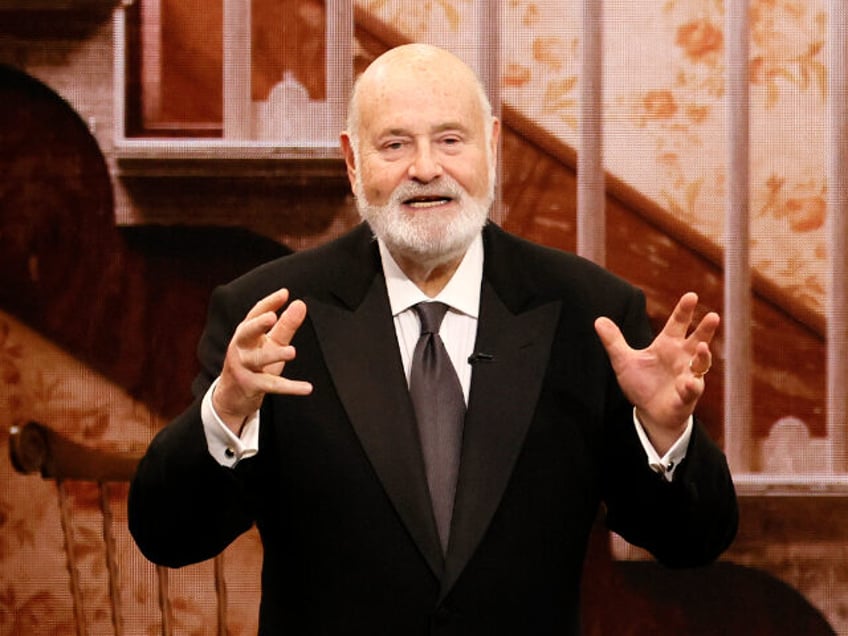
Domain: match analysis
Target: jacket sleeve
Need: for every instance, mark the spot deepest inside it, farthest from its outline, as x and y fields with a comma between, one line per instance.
x=183, y=506
x=687, y=522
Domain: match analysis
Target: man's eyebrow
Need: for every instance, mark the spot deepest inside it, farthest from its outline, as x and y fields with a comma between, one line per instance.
x=451, y=125
x=438, y=128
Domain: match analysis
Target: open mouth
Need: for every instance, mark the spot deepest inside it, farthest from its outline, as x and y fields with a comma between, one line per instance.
x=432, y=201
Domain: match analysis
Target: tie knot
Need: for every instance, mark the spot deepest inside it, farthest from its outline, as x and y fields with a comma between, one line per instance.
x=431, y=315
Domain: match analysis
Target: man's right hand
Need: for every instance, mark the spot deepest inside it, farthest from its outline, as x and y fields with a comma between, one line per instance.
x=256, y=356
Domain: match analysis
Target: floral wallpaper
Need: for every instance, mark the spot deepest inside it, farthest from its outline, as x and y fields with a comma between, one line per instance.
x=664, y=100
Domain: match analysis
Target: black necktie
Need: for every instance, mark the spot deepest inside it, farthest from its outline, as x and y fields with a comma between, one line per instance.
x=440, y=412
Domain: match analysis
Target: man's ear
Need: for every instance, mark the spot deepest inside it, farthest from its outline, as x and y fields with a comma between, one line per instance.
x=496, y=133
x=350, y=160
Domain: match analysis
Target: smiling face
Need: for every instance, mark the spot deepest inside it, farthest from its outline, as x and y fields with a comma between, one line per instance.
x=420, y=151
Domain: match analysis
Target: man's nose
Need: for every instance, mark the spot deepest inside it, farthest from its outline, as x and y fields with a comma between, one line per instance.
x=425, y=165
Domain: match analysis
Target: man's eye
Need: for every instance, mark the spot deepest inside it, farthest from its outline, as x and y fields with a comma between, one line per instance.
x=452, y=143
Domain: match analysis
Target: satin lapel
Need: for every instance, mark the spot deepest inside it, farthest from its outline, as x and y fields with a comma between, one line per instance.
x=503, y=397
x=361, y=352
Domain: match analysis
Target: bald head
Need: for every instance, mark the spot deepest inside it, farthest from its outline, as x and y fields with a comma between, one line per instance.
x=414, y=67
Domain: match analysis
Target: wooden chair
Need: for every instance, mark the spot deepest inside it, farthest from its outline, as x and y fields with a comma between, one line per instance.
x=35, y=448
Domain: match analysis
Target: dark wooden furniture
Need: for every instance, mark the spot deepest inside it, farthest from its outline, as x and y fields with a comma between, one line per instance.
x=36, y=448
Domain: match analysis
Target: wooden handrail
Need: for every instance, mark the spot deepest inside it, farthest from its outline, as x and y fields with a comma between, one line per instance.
x=35, y=447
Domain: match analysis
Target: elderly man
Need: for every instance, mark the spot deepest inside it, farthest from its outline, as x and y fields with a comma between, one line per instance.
x=426, y=450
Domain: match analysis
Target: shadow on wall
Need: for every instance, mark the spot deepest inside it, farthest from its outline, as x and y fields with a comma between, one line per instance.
x=724, y=598
x=643, y=598
x=129, y=302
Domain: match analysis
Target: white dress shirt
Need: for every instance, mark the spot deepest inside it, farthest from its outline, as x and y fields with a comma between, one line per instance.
x=459, y=326
x=458, y=332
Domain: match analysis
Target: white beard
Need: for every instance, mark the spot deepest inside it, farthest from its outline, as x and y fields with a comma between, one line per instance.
x=427, y=236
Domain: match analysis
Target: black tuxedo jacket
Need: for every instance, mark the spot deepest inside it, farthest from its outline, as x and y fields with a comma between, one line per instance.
x=338, y=490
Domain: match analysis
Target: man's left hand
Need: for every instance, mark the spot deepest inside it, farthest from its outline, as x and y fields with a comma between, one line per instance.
x=665, y=380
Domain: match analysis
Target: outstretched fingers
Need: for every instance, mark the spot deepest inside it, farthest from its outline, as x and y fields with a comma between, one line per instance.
x=256, y=356
x=666, y=379
x=677, y=325
x=706, y=329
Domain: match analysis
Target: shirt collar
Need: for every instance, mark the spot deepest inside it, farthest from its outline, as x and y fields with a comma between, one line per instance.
x=462, y=293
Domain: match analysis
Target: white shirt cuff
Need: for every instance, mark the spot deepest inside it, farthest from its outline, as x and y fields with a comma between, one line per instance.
x=668, y=463
x=225, y=446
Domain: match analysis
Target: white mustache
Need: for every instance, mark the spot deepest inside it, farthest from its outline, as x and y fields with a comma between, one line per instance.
x=448, y=189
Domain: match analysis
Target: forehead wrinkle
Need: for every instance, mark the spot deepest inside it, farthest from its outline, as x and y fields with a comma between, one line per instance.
x=401, y=131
